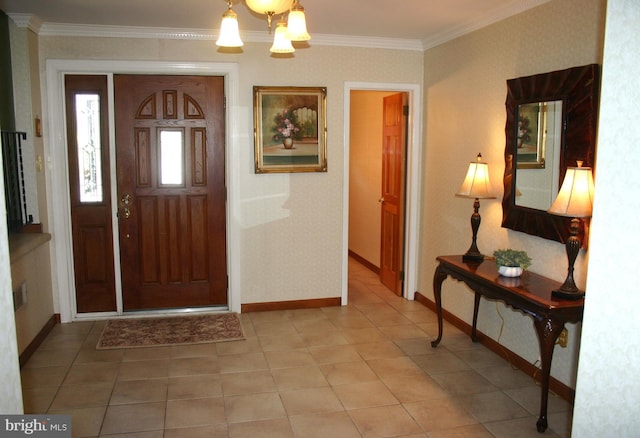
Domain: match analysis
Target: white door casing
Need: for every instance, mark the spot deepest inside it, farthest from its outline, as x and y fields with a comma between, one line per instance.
x=57, y=169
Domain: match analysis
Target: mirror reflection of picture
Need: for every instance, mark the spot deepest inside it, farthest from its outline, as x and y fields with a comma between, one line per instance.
x=538, y=157
x=531, y=134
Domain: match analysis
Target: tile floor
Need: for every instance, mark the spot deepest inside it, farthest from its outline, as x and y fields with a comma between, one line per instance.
x=366, y=369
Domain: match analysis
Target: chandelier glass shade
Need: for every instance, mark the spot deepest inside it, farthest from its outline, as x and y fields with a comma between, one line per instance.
x=272, y=7
x=281, y=44
x=297, y=24
x=294, y=29
x=269, y=7
x=229, y=33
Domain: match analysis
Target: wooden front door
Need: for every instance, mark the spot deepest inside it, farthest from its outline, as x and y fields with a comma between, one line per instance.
x=90, y=192
x=393, y=191
x=171, y=190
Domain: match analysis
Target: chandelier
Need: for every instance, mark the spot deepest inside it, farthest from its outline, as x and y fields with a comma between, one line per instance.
x=293, y=29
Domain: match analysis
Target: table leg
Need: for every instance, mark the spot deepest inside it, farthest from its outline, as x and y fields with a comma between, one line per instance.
x=438, y=278
x=476, y=305
x=548, y=331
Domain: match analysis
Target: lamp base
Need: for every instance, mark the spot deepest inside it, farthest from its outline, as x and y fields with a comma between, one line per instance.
x=475, y=257
x=569, y=290
x=568, y=294
x=473, y=254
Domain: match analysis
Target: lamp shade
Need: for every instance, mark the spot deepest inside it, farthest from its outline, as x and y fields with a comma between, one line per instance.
x=575, y=198
x=229, y=33
x=476, y=184
x=297, y=24
x=281, y=44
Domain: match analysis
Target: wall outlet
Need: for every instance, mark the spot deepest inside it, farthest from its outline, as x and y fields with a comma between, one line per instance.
x=20, y=296
x=563, y=338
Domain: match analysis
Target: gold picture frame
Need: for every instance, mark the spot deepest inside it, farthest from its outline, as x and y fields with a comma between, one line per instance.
x=290, y=129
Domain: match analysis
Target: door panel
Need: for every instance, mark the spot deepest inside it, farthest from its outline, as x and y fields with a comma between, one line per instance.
x=90, y=192
x=171, y=186
x=393, y=184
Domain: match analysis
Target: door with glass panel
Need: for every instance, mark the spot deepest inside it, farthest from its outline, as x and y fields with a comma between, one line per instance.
x=89, y=183
x=171, y=190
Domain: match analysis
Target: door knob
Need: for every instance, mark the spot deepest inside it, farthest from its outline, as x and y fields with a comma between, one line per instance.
x=381, y=200
x=126, y=200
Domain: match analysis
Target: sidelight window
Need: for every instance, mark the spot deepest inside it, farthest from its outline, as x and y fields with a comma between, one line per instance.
x=89, y=147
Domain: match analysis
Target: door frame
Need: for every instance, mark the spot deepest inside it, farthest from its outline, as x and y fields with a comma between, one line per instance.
x=413, y=162
x=58, y=203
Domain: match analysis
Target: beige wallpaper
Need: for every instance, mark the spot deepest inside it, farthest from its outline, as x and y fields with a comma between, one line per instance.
x=465, y=91
x=290, y=243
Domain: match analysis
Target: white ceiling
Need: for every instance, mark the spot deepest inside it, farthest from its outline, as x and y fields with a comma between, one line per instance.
x=426, y=21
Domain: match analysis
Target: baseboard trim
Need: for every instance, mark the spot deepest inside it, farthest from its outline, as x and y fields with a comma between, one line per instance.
x=366, y=263
x=39, y=338
x=559, y=388
x=290, y=305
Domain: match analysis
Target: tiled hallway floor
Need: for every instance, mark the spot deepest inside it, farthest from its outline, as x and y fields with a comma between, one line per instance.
x=366, y=369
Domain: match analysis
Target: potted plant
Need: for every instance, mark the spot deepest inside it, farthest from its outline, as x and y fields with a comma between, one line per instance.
x=511, y=262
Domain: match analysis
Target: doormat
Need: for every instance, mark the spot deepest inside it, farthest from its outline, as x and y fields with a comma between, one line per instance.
x=173, y=330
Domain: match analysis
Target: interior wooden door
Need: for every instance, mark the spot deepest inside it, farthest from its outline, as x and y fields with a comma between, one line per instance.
x=90, y=192
x=171, y=190
x=393, y=191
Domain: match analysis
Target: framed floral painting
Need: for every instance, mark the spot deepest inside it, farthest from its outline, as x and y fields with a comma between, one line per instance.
x=290, y=129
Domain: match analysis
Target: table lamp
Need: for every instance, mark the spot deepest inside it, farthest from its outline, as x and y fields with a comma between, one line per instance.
x=476, y=185
x=574, y=200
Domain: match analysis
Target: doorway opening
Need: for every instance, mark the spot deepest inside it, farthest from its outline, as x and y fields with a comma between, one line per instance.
x=370, y=216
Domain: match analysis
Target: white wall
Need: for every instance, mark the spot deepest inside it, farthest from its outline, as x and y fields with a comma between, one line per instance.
x=10, y=388
x=23, y=92
x=608, y=387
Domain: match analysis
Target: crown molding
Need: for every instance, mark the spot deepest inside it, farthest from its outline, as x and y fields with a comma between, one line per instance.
x=85, y=30
x=368, y=42
x=96, y=30
x=30, y=21
x=495, y=15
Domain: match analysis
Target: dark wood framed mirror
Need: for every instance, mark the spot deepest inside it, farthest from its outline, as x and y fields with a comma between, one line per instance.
x=574, y=95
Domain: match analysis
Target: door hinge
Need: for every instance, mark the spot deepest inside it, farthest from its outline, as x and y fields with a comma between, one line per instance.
x=405, y=110
x=401, y=275
x=224, y=103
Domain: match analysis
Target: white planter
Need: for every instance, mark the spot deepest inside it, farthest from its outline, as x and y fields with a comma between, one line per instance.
x=510, y=271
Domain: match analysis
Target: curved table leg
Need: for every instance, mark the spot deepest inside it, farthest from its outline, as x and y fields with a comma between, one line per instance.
x=438, y=277
x=548, y=331
x=476, y=305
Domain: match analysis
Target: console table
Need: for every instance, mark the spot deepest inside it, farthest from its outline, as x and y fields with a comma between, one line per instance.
x=529, y=293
